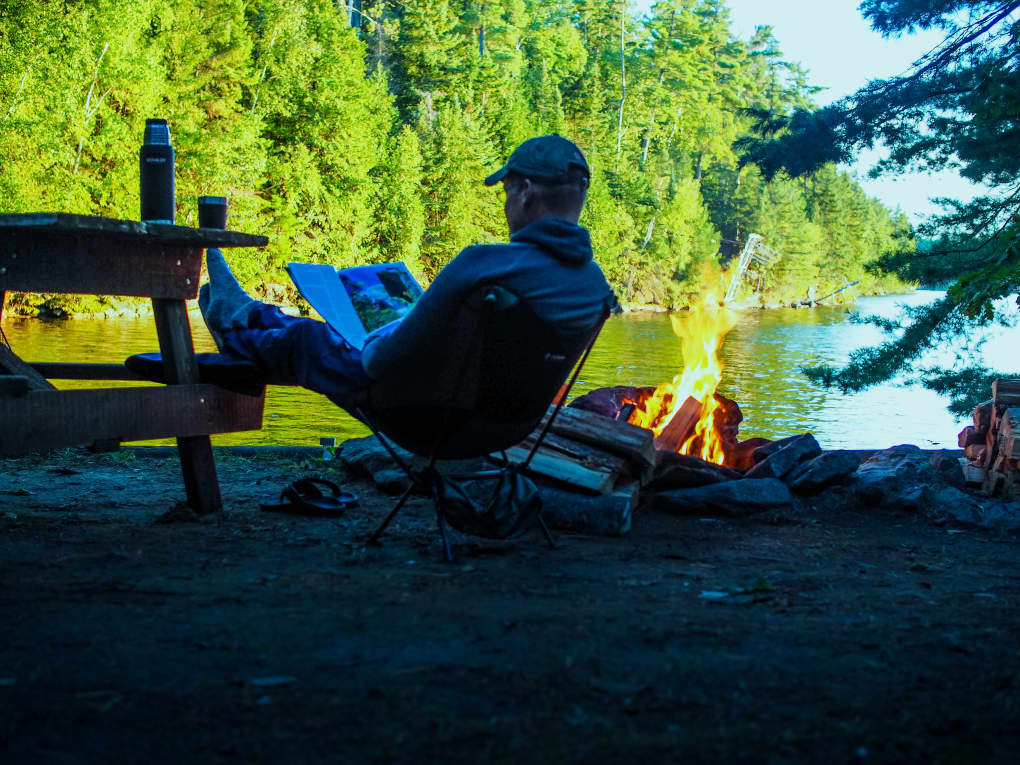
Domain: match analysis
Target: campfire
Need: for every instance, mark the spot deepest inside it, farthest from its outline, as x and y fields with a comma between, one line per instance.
x=674, y=444
x=687, y=415
x=683, y=413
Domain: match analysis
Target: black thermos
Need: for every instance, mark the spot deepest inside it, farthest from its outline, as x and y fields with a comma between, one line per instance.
x=156, y=171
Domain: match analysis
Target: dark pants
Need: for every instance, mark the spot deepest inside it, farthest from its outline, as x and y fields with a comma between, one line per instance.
x=292, y=350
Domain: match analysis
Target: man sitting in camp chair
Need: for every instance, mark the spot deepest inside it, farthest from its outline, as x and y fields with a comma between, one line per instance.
x=548, y=264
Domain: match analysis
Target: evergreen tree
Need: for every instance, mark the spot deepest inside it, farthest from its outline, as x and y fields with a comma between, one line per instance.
x=959, y=105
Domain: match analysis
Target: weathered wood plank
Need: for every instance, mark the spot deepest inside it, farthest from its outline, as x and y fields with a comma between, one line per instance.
x=60, y=370
x=197, y=463
x=12, y=365
x=66, y=225
x=42, y=262
x=44, y=420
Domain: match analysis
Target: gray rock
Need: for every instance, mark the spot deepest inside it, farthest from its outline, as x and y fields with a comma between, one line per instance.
x=946, y=464
x=1004, y=516
x=894, y=477
x=943, y=504
x=391, y=480
x=366, y=456
x=781, y=462
x=770, y=447
x=730, y=498
x=823, y=471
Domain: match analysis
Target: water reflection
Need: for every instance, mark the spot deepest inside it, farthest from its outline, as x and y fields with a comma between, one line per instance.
x=763, y=356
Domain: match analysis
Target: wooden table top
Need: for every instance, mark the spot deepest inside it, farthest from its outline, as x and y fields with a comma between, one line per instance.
x=92, y=227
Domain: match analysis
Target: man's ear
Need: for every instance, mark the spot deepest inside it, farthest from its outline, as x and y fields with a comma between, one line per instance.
x=527, y=191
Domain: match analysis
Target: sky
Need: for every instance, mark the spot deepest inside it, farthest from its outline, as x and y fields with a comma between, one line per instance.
x=841, y=52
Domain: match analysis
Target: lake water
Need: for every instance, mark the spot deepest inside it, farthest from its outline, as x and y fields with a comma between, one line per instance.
x=763, y=356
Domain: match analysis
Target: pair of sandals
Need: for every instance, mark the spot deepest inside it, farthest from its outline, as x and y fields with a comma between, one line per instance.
x=305, y=497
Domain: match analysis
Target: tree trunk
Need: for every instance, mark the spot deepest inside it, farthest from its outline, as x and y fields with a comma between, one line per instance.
x=623, y=82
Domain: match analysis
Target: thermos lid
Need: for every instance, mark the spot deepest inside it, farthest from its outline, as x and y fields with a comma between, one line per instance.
x=212, y=200
x=157, y=132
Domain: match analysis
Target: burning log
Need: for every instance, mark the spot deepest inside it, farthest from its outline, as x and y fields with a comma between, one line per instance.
x=743, y=456
x=680, y=428
x=616, y=403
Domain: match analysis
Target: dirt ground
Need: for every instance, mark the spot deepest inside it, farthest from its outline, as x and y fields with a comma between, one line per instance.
x=823, y=635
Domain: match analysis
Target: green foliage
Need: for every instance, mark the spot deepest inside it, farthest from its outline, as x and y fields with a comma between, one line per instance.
x=958, y=107
x=355, y=145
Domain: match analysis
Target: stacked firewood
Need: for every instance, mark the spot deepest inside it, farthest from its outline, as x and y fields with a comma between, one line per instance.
x=992, y=444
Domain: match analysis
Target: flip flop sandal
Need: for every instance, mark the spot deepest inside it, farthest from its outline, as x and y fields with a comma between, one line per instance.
x=304, y=497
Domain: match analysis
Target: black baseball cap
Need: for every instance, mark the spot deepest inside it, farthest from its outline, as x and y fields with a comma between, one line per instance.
x=547, y=157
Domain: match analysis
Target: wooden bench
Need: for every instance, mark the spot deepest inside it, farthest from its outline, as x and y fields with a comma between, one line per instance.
x=59, y=253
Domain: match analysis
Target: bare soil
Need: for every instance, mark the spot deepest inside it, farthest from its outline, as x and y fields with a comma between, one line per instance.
x=823, y=635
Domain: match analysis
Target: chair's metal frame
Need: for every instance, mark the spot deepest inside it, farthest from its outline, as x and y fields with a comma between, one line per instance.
x=424, y=480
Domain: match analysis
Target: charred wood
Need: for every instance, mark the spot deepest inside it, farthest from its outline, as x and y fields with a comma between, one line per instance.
x=679, y=471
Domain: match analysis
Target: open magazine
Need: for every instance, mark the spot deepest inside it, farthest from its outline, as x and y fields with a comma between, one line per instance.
x=356, y=301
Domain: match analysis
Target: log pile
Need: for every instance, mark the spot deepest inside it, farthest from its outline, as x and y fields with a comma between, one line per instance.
x=991, y=445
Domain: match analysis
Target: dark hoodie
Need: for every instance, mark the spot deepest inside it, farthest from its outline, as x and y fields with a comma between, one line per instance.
x=547, y=263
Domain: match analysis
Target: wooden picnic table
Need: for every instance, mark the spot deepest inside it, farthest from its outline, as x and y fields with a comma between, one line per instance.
x=75, y=254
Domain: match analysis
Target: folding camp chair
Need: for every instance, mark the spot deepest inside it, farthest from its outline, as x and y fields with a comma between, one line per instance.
x=482, y=384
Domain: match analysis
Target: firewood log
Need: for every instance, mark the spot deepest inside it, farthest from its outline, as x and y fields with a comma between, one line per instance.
x=583, y=454
x=609, y=402
x=605, y=514
x=566, y=471
x=983, y=416
x=1009, y=434
x=976, y=453
x=636, y=445
x=1006, y=392
x=970, y=436
x=679, y=471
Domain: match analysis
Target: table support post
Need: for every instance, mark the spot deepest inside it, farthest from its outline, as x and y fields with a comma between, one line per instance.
x=197, y=462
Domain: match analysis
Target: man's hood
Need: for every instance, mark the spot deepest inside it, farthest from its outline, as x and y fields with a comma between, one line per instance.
x=557, y=237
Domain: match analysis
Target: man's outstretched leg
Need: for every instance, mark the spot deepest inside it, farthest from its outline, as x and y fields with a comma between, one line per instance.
x=288, y=350
x=224, y=303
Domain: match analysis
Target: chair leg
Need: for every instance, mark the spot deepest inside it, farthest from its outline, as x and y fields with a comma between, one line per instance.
x=545, y=530
x=442, y=524
x=386, y=521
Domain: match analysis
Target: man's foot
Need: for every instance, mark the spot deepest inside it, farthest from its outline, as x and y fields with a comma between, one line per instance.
x=223, y=302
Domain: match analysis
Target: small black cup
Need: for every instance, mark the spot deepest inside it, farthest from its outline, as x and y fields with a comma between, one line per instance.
x=212, y=212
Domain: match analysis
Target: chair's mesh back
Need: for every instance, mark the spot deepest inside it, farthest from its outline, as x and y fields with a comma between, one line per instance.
x=483, y=383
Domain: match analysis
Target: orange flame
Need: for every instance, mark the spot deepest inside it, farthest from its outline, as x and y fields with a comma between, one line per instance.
x=701, y=332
